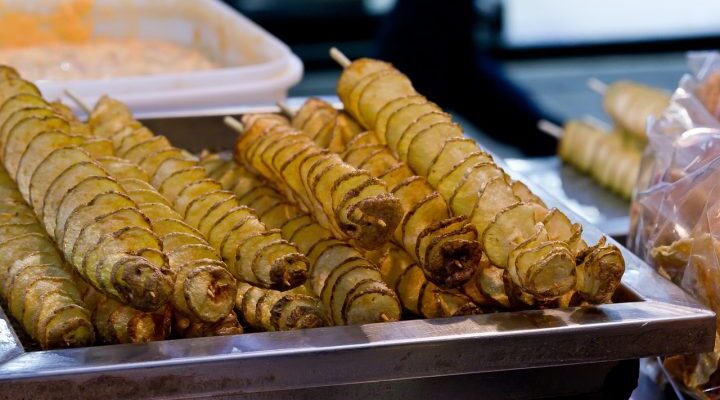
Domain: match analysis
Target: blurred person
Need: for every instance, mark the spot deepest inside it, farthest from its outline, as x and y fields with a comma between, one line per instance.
x=432, y=42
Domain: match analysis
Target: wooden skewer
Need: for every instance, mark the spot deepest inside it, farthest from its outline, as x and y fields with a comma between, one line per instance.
x=78, y=101
x=550, y=128
x=285, y=109
x=597, y=86
x=339, y=57
x=234, y=124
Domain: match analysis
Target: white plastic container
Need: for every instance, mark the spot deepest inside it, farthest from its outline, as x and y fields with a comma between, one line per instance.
x=257, y=67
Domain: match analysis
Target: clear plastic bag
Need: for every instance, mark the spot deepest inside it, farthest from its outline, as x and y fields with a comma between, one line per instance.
x=675, y=215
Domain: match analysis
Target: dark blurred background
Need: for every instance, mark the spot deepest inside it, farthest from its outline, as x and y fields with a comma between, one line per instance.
x=546, y=48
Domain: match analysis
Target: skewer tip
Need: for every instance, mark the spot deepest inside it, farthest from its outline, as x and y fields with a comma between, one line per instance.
x=284, y=109
x=233, y=123
x=339, y=57
x=597, y=86
x=78, y=101
x=550, y=128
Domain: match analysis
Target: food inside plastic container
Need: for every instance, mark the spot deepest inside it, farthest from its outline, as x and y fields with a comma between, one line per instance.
x=676, y=212
x=161, y=55
x=61, y=46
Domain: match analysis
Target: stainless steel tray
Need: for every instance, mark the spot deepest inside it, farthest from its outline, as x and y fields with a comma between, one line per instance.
x=511, y=354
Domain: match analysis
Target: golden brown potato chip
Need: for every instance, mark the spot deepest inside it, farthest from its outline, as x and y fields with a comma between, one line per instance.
x=61, y=185
x=468, y=190
x=448, y=183
x=173, y=240
x=215, y=212
x=192, y=191
x=142, y=149
x=157, y=211
x=428, y=144
x=39, y=148
x=384, y=87
x=453, y=151
x=389, y=109
x=79, y=195
x=127, y=240
x=496, y=195
x=21, y=133
x=129, y=141
x=98, y=147
x=120, y=168
x=401, y=120
x=101, y=226
x=83, y=215
x=177, y=181
x=151, y=162
x=197, y=208
x=509, y=228
x=49, y=169
x=421, y=124
x=144, y=196
x=356, y=71
x=15, y=86
x=166, y=226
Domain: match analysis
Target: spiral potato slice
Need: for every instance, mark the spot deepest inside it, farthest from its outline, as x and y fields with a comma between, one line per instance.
x=203, y=289
x=629, y=104
x=350, y=286
x=129, y=278
x=454, y=255
x=417, y=294
x=349, y=202
x=245, y=245
x=34, y=282
x=271, y=310
x=605, y=156
x=462, y=177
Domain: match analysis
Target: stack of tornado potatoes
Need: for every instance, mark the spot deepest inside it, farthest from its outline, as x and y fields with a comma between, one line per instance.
x=109, y=234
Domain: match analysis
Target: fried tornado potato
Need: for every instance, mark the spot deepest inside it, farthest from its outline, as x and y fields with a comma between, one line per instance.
x=327, y=127
x=34, y=284
x=606, y=156
x=250, y=251
x=122, y=271
x=347, y=201
x=433, y=147
x=271, y=310
x=445, y=247
x=629, y=104
x=416, y=293
x=118, y=323
x=188, y=328
x=350, y=286
x=203, y=289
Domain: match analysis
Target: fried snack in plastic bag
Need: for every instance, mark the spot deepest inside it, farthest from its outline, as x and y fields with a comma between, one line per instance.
x=674, y=216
